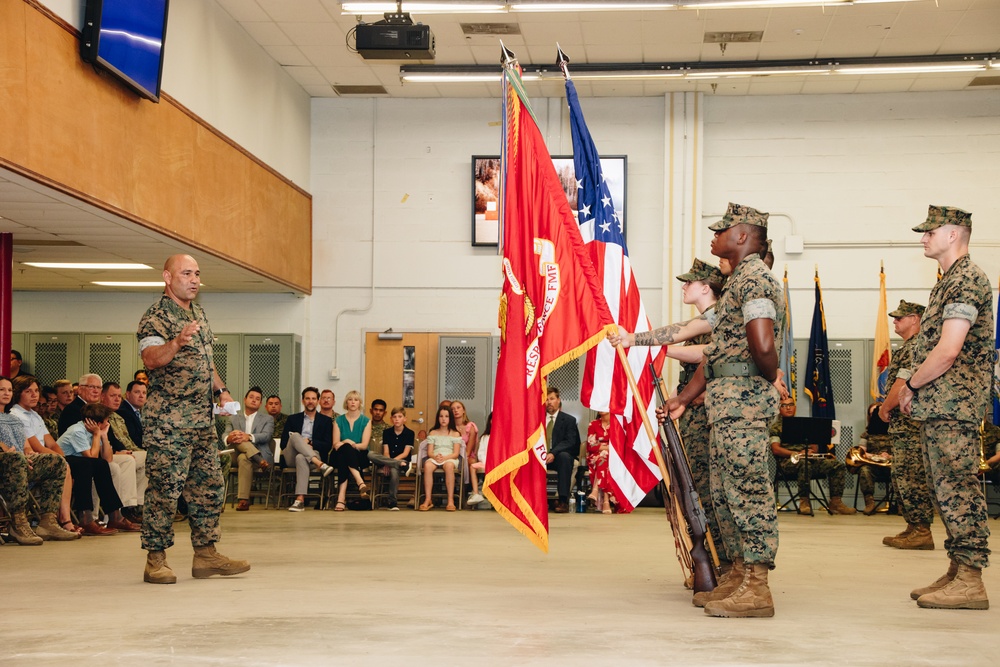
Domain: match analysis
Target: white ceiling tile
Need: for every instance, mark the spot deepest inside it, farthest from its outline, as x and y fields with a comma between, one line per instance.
x=304, y=11
x=311, y=34
x=244, y=10
x=288, y=55
x=306, y=76
x=266, y=33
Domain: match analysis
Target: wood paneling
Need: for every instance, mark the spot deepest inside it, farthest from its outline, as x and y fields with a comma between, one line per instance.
x=77, y=130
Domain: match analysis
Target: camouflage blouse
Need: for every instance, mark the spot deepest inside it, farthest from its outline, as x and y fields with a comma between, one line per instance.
x=900, y=367
x=751, y=293
x=963, y=391
x=180, y=393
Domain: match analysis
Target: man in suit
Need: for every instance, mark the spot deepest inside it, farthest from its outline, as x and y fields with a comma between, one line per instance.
x=250, y=433
x=90, y=392
x=562, y=440
x=307, y=439
x=130, y=410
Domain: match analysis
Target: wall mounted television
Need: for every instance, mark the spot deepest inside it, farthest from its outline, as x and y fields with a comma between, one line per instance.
x=125, y=37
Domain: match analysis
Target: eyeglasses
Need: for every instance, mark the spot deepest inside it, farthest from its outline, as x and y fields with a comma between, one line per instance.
x=90, y=386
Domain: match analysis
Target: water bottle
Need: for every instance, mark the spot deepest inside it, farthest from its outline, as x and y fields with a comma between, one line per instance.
x=581, y=505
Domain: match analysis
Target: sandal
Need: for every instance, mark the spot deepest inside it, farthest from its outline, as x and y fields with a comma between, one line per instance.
x=340, y=507
x=592, y=502
x=450, y=508
x=68, y=525
x=425, y=507
x=363, y=490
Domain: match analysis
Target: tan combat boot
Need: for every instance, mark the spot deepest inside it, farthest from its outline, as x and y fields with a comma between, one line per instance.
x=726, y=584
x=751, y=600
x=49, y=529
x=157, y=570
x=965, y=591
x=20, y=530
x=920, y=539
x=938, y=584
x=805, y=507
x=869, y=505
x=208, y=562
x=890, y=539
x=837, y=506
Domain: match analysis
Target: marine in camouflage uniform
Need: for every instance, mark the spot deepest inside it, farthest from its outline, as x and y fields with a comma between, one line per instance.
x=175, y=342
x=951, y=400
x=909, y=476
x=693, y=424
x=833, y=469
x=741, y=403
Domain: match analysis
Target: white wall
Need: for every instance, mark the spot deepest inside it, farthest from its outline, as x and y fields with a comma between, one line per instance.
x=852, y=174
x=851, y=169
x=217, y=71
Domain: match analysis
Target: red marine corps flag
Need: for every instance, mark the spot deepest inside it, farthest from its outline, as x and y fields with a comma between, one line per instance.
x=552, y=310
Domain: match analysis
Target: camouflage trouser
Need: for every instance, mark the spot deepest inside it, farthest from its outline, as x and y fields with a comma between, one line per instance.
x=951, y=454
x=742, y=490
x=833, y=469
x=181, y=462
x=868, y=475
x=916, y=502
x=694, y=431
x=47, y=473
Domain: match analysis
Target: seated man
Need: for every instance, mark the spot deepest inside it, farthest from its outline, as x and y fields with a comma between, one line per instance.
x=377, y=412
x=991, y=453
x=307, y=439
x=250, y=433
x=88, y=453
x=830, y=468
x=47, y=405
x=273, y=408
x=89, y=392
x=124, y=449
x=397, y=445
x=876, y=444
x=562, y=442
x=64, y=396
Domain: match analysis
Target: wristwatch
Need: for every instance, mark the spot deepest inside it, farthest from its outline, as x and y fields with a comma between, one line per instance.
x=218, y=392
x=910, y=386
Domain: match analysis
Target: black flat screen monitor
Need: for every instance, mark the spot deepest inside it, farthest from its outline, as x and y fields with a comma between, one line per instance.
x=125, y=37
x=807, y=431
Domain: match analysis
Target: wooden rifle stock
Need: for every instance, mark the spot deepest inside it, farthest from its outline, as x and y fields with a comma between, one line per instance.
x=683, y=490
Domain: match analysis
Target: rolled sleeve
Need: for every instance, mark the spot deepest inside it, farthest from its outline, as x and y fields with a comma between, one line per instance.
x=757, y=309
x=960, y=311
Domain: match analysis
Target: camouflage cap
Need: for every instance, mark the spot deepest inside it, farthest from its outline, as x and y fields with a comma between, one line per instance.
x=704, y=272
x=738, y=214
x=907, y=308
x=944, y=215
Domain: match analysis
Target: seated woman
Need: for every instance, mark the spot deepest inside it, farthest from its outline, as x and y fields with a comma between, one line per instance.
x=88, y=453
x=351, y=433
x=470, y=436
x=598, y=442
x=444, y=450
x=38, y=439
x=19, y=468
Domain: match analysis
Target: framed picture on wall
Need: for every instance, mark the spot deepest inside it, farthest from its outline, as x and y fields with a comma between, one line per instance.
x=486, y=191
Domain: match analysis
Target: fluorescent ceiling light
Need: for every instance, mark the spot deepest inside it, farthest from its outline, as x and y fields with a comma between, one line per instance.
x=466, y=77
x=485, y=7
x=88, y=265
x=127, y=283
x=424, y=7
x=912, y=69
x=740, y=73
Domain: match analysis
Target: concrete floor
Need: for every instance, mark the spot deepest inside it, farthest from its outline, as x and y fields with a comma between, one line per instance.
x=437, y=588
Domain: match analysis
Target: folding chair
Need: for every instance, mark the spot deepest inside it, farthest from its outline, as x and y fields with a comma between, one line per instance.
x=439, y=489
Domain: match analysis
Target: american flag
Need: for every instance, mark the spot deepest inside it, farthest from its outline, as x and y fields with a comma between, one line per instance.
x=631, y=461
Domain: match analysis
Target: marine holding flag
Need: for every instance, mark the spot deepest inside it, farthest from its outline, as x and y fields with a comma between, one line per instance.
x=552, y=310
x=738, y=373
x=631, y=462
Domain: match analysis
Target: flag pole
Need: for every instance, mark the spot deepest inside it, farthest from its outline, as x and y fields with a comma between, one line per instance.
x=645, y=422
